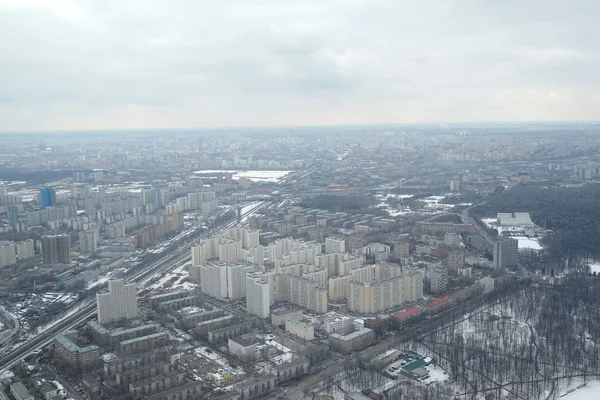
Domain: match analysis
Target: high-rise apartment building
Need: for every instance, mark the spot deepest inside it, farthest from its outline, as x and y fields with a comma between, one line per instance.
x=249, y=238
x=258, y=294
x=506, y=253
x=334, y=245
x=56, y=249
x=88, y=241
x=13, y=216
x=119, y=303
x=393, y=287
x=223, y=281
x=7, y=254
x=47, y=197
x=402, y=249
x=438, y=279
x=25, y=249
x=220, y=248
x=456, y=259
x=302, y=292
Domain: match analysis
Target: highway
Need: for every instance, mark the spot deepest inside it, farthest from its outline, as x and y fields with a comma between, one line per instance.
x=89, y=310
x=15, y=328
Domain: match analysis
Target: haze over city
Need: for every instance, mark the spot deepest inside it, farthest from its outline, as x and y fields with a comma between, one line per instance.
x=71, y=64
x=299, y=200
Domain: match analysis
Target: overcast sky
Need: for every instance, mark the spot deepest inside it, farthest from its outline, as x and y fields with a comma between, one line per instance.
x=193, y=63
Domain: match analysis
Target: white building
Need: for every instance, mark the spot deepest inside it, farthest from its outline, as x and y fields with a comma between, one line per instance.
x=223, y=281
x=515, y=222
x=393, y=286
x=334, y=245
x=8, y=255
x=258, y=294
x=302, y=329
x=88, y=241
x=25, y=249
x=120, y=303
x=248, y=237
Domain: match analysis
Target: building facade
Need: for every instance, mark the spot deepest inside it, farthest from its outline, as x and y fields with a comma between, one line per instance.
x=120, y=303
x=56, y=249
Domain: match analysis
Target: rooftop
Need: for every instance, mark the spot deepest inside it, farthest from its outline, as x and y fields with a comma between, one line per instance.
x=356, y=334
x=178, y=389
x=147, y=337
x=243, y=341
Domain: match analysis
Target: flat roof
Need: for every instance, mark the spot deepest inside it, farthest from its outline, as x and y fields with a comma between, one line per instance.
x=353, y=335
x=133, y=330
x=242, y=341
x=147, y=337
x=20, y=389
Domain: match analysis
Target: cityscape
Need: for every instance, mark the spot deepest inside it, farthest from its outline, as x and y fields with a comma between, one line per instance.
x=299, y=200
x=329, y=263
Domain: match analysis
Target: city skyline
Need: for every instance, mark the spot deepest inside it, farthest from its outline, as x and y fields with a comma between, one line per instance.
x=90, y=65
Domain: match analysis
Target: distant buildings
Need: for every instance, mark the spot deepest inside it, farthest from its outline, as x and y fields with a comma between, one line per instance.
x=506, y=252
x=120, y=303
x=56, y=249
x=455, y=186
x=47, y=197
x=88, y=241
x=402, y=249
x=334, y=245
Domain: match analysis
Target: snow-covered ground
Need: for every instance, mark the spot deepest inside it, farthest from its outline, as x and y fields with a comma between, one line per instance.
x=528, y=243
x=594, y=267
x=256, y=176
x=591, y=391
x=98, y=281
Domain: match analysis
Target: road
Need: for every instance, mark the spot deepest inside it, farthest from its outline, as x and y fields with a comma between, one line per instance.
x=15, y=328
x=88, y=311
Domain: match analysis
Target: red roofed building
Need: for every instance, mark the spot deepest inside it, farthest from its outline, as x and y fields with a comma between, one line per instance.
x=408, y=317
x=439, y=305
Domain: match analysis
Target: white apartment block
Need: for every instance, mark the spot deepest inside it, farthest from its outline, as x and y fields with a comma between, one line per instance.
x=258, y=294
x=302, y=292
x=222, y=281
x=220, y=248
x=88, y=241
x=302, y=329
x=378, y=251
x=380, y=295
x=8, y=254
x=438, y=279
x=25, y=249
x=288, y=251
x=248, y=237
x=335, y=245
x=119, y=303
x=338, y=287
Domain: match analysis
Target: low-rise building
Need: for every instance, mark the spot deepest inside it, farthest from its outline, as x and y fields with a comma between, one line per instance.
x=242, y=348
x=256, y=387
x=20, y=392
x=278, y=317
x=300, y=328
x=292, y=370
x=357, y=340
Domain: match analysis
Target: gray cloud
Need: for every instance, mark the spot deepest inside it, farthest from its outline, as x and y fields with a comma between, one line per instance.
x=76, y=64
